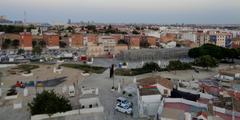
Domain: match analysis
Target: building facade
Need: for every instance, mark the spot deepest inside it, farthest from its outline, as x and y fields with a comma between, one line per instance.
x=108, y=43
x=52, y=40
x=26, y=41
x=76, y=41
x=94, y=50
x=134, y=42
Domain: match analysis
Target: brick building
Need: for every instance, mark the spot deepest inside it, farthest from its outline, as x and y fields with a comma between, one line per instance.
x=52, y=40
x=151, y=41
x=236, y=43
x=76, y=41
x=26, y=41
x=134, y=42
x=168, y=37
x=117, y=37
x=221, y=39
x=92, y=38
x=94, y=50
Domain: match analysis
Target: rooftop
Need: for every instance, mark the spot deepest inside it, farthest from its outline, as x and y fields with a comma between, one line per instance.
x=148, y=91
x=173, y=114
x=230, y=71
x=156, y=80
x=50, y=33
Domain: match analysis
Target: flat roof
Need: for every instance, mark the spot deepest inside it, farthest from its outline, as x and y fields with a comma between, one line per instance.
x=156, y=80
x=148, y=91
x=174, y=114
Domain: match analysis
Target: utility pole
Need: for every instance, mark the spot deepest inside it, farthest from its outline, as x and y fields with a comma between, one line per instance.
x=233, y=111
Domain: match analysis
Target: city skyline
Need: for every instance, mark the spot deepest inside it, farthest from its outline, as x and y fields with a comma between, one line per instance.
x=125, y=11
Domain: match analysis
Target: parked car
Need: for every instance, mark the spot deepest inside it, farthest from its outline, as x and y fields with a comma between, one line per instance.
x=124, y=101
x=123, y=108
x=71, y=90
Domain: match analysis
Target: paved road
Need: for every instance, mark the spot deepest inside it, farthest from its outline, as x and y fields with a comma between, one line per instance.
x=108, y=97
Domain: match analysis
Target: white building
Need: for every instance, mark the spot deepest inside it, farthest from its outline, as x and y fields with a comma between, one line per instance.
x=171, y=44
x=150, y=93
x=108, y=42
x=34, y=31
x=189, y=36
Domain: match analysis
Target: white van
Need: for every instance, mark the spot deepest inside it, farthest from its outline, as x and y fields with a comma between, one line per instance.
x=71, y=91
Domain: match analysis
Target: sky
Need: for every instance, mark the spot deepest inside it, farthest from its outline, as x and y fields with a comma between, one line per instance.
x=124, y=11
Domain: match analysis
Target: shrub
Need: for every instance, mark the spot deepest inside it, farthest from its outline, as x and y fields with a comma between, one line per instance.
x=49, y=103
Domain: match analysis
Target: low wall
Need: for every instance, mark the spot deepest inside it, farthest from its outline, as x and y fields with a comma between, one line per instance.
x=27, y=74
x=11, y=97
x=188, y=102
x=86, y=91
x=67, y=113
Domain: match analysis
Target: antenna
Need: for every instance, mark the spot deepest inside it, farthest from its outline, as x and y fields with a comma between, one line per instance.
x=24, y=21
x=25, y=15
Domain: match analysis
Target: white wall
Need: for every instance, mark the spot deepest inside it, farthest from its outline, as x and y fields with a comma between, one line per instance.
x=162, y=88
x=149, y=104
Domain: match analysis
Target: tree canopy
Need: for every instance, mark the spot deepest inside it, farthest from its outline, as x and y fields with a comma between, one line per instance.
x=214, y=51
x=206, y=61
x=37, y=50
x=49, y=103
x=178, y=65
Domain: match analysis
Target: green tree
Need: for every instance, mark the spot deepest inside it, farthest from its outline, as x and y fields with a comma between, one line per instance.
x=6, y=44
x=62, y=44
x=20, y=51
x=49, y=103
x=37, y=50
x=144, y=44
x=122, y=42
x=34, y=43
x=15, y=43
x=178, y=65
x=151, y=66
x=135, y=32
x=206, y=61
x=232, y=53
x=42, y=44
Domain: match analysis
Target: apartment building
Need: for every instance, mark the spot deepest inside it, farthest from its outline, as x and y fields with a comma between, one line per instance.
x=151, y=41
x=117, y=37
x=202, y=38
x=189, y=36
x=221, y=39
x=92, y=38
x=26, y=41
x=108, y=43
x=52, y=40
x=134, y=41
x=94, y=50
x=76, y=41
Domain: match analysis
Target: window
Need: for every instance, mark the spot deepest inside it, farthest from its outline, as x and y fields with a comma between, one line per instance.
x=165, y=92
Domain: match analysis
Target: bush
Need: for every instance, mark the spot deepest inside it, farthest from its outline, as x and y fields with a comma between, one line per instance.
x=147, y=68
x=178, y=65
x=88, y=68
x=27, y=67
x=49, y=103
x=206, y=61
